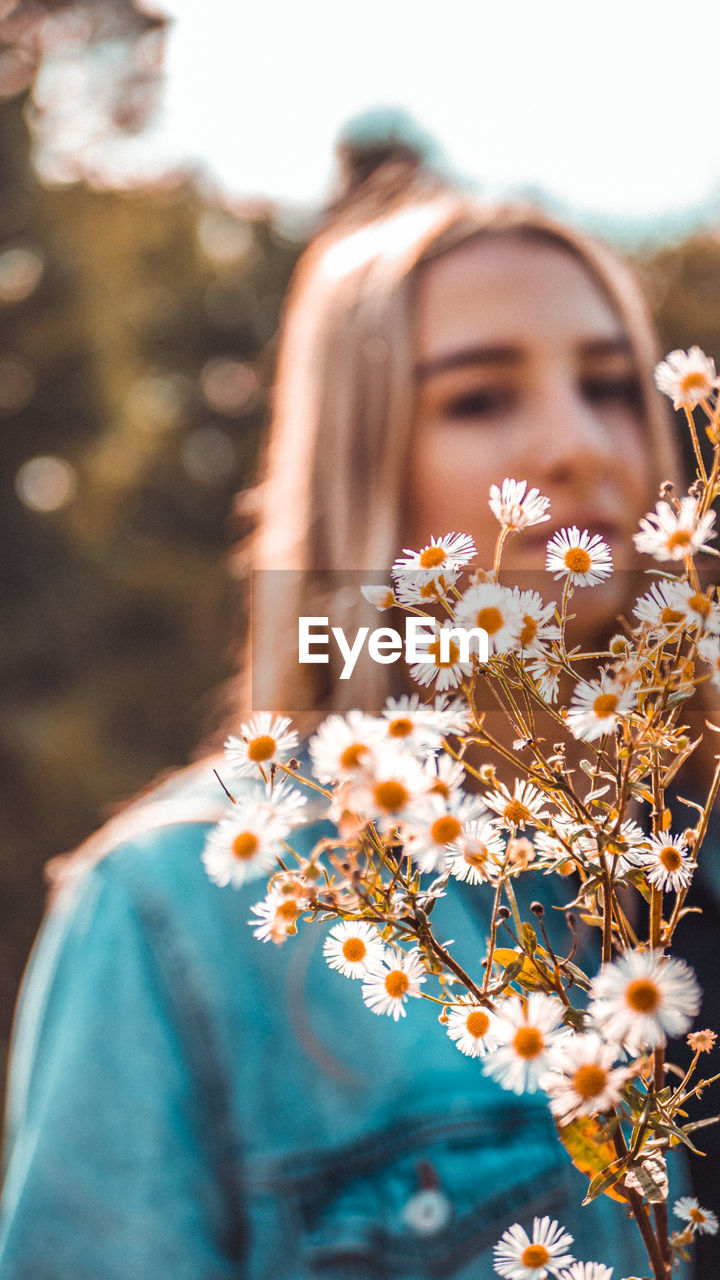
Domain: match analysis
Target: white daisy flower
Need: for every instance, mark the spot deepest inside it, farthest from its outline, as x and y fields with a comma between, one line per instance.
x=642, y=998
x=353, y=947
x=398, y=976
x=343, y=744
x=587, y=1271
x=381, y=598
x=545, y=673
x=445, y=675
x=471, y=1028
x=515, y=508
x=387, y=787
x=277, y=916
x=667, y=862
x=703, y=1221
x=687, y=377
x=709, y=650
x=696, y=609
x=413, y=725
x=444, y=775
x=527, y=1033
x=583, y=558
x=658, y=610
x=552, y=851
x=517, y=1257
x=453, y=714
x=448, y=553
x=246, y=843
x=525, y=804
x=669, y=535
x=583, y=1079
x=477, y=855
x=436, y=822
x=423, y=588
x=496, y=610
x=621, y=853
x=597, y=705
x=264, y=740
x=538, y=624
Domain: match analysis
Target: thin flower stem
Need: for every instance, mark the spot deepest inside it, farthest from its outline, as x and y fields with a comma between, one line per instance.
x=493, y=936
x=655, y=1253
x=660, y=1215
x=696, y=444
x=513, y=907
x=498, y=551
x=453, y=966
x=607, y=912
x=305, y=781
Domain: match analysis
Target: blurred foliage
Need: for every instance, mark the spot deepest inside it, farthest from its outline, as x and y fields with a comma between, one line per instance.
x=136, y=349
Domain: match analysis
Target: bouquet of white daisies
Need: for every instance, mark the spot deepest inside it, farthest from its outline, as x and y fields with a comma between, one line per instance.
x=576, y=785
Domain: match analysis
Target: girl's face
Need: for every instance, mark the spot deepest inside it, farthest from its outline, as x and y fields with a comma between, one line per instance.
x=524, y=370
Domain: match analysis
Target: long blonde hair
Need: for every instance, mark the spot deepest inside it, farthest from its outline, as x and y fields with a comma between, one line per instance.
x=343, y=417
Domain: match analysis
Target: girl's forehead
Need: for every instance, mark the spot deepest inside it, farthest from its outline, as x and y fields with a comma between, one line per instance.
x=506, y=290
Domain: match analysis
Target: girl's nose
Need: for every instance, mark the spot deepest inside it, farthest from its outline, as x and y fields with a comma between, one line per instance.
x=573, y=440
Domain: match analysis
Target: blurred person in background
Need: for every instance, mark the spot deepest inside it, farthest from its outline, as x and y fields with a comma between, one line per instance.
x=185, y=1101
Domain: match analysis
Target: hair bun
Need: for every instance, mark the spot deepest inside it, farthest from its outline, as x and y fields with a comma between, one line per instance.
x=383, y=157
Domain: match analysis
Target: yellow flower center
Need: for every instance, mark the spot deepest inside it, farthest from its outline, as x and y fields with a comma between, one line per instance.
x=477, y=1023
x=529, y=631
x=435, y=588
x=288, y=911
x=696, y=1215
x=432, y=557
x=245, y=845
x=354, y=949
x=642, y=995
x=590, y=1080
x=695, y=380
x=445, y=829
x=490, y=620
x=351, y=757
x=515, y=812
x=700, y=604
x=670, y=617
x=400, y=728
x=680, y=538
x=670, y=858
x=439, y=788
x=605, y=704
x=261, y=749
x=434, y=653
x=528, y=1042
x=536, y=1255
x=396, y=983
x=391, y=795
x=577, y=560
x=476, y=857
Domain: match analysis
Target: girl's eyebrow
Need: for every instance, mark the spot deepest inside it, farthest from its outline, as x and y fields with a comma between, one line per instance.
x=597, y=348
x=501, y=354
x=505, y=354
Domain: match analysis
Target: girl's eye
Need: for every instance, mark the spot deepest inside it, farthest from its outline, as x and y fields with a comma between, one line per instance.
x=480, y=404
x=623, y=390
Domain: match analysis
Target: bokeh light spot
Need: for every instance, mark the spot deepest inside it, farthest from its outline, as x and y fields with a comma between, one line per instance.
x=21, y=271
x=46, y=483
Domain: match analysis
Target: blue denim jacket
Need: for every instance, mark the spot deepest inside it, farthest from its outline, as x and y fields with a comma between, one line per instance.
x=188, y=1102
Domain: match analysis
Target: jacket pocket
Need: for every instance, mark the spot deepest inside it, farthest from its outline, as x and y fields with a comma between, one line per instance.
x=422, y=1197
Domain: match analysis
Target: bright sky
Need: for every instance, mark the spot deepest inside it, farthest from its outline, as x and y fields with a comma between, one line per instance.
x=609, y=107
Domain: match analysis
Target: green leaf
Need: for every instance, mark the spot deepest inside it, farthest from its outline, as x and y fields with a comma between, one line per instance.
x=603, y=1181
